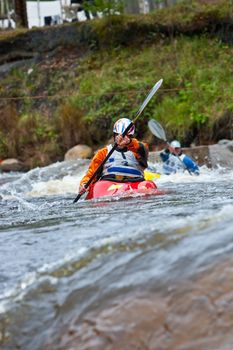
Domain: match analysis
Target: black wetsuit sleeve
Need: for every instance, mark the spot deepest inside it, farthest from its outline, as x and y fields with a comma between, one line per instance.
x=142, y=155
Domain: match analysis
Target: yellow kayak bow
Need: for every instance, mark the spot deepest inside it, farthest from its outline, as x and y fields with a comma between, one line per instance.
x=148, y=175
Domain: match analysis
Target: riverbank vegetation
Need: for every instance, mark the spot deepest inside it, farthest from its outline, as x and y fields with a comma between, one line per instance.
x=72, y=93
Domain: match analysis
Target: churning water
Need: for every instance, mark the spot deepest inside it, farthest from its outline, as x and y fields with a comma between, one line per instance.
x=59, y=260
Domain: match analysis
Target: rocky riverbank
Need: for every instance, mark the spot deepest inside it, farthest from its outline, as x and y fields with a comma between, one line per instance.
x=220, y=154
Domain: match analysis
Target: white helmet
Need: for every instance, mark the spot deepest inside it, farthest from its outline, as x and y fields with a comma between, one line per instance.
x=121, y=124
x=175, y=144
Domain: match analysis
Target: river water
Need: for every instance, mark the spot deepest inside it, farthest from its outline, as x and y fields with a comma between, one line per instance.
x=62, y=262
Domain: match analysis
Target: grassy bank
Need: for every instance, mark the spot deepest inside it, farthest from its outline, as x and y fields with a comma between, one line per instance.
x=51, y=104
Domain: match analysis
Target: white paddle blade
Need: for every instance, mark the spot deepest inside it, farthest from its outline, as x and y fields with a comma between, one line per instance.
x=157, y=129
x=150, y=95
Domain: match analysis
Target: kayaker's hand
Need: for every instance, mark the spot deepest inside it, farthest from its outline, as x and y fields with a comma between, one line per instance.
x=171, y=150
x=122, y=141
x=82, y=189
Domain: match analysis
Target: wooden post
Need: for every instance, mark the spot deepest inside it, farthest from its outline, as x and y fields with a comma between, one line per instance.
x=21, y=13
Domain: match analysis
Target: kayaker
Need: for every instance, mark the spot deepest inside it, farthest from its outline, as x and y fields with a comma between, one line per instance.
x=175, y=160
x=127, y=162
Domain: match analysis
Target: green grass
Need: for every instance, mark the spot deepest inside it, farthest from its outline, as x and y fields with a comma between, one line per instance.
x=197, y=83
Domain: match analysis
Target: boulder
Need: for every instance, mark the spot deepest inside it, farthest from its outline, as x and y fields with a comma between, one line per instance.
x=224, y=142
x=11, y=164
x=221, y=155
x=230, y=146
x=79, y=152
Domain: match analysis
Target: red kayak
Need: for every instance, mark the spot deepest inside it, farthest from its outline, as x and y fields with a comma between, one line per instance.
x=104, y=188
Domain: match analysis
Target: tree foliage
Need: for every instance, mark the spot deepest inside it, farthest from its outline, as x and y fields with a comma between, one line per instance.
x=105, y=7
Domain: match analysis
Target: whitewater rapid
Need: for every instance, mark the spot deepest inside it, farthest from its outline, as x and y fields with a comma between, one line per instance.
x=60, y=260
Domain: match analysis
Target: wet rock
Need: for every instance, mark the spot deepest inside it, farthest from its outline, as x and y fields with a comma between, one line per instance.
x=79, y=152
x=227, y=143
x=230, y=146
x=224, y=142
x=189, y=315
x=221, y=155
x=11, y=164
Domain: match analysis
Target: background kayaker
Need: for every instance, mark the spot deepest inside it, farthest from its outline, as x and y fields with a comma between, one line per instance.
x=127, y=162
x=175, y=160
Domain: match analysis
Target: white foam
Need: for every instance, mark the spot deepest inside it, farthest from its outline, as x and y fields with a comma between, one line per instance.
x=206, y=175
x=68, y=184
x=64, y=178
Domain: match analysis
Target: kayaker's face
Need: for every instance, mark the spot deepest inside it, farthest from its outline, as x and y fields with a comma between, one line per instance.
x=177, y=151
